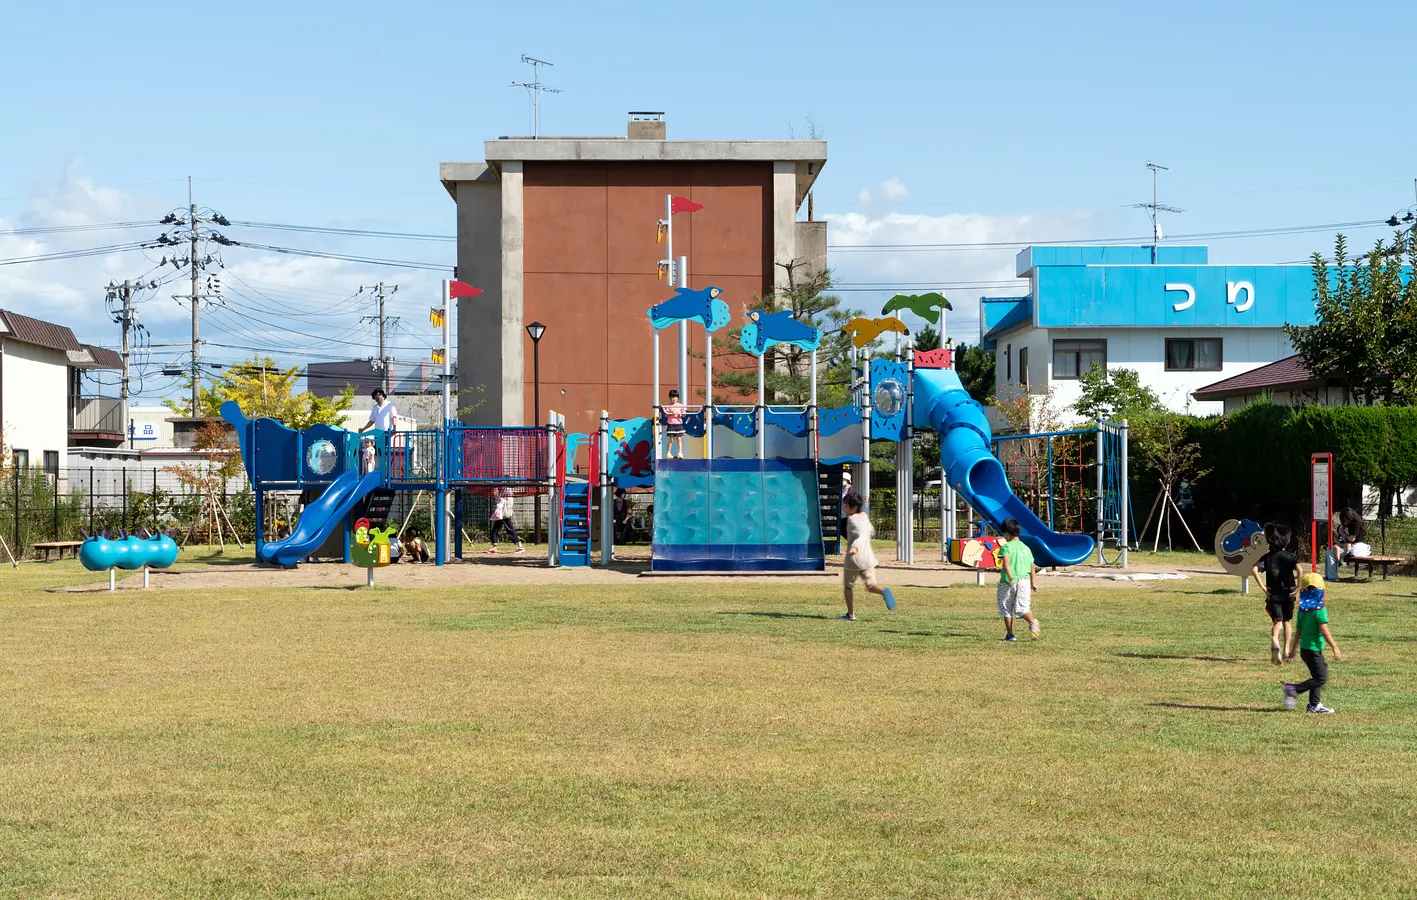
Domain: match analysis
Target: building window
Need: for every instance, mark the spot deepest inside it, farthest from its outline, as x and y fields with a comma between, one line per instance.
x=51, y=462
x=1193, y=354
x=1023, y=366
x=1072, y=358
x=1008, y=363
x=22, y=459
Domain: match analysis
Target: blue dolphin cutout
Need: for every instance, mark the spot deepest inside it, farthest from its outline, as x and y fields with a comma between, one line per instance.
x=767, y=328
x=686, y=304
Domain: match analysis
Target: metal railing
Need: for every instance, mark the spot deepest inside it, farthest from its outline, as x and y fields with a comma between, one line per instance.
x=97, y=414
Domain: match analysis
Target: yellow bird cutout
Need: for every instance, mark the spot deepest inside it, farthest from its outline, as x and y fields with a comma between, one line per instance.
x=659, y=232
x=863, y=331
x=435, y=315
x=438, y=357
x=663, y=268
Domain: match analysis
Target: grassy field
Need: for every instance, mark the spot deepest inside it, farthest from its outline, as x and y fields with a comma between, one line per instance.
x=694, y=740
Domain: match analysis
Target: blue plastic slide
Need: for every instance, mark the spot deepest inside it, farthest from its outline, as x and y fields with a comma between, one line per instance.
x=321, y=518
x=973, y=471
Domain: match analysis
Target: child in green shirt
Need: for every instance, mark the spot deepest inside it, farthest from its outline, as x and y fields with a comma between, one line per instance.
x=1017, y=581
x=1310, y=635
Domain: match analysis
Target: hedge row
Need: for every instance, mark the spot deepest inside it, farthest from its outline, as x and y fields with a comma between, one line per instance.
x=1259, y=459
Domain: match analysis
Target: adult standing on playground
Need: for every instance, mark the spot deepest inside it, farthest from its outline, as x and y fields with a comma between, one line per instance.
x=383, y=414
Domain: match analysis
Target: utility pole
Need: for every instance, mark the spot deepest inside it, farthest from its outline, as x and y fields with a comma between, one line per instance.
x=127, y=321
x=382, y=362
x=196, y=304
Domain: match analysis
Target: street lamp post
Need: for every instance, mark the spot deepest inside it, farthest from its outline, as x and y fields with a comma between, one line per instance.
x=535, y=330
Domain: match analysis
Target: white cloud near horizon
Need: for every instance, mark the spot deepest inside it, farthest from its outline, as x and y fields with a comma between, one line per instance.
x=866, y=279
x=296, y=309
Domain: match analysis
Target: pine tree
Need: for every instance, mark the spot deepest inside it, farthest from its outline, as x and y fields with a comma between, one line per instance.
x=787, y=378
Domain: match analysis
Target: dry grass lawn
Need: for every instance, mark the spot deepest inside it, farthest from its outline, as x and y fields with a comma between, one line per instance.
x=693, y=740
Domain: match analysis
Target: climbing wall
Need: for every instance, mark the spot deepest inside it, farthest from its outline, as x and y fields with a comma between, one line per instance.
x=743, y=515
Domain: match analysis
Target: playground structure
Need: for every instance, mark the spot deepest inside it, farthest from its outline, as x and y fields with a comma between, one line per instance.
x=755, y=487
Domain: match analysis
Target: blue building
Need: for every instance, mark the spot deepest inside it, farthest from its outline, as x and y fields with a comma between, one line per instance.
x=1165, y=312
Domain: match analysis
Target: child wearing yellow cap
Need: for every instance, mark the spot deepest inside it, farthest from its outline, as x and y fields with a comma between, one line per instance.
x=1310, y=635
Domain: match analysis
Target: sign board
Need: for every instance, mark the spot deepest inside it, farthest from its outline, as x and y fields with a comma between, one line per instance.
x=1322, y=512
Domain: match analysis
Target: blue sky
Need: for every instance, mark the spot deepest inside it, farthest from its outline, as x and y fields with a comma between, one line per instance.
x=945, y=123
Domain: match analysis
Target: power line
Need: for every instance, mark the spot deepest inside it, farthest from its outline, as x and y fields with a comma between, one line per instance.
x=348, y=232
x=1019, y=245
x=70, y=229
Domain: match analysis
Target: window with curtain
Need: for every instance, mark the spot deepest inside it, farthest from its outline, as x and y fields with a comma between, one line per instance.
x=1193, y=354
x=1071, y=358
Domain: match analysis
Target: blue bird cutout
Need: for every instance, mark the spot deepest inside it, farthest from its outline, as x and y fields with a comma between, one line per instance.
x=767, y=328
x=1238, y=539
x=702, y=306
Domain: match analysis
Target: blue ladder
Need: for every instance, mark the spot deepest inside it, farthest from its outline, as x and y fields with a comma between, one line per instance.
x=575, y=525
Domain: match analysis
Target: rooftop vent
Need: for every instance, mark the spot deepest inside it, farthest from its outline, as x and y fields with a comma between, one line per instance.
x=646, y=126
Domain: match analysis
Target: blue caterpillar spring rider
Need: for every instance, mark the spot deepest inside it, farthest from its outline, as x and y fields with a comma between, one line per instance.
x=127, y=552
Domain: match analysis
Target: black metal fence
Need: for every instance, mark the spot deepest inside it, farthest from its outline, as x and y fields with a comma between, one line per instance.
x=37, y=506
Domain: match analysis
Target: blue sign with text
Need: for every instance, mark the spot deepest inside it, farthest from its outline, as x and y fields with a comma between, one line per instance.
x=1173, y=296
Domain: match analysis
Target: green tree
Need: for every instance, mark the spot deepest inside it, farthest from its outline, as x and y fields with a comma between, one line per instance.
x=788, y=369
x=1114, y=394
x=975, y=367
x=1365, y=333
x=264, y=389
x=927, y=338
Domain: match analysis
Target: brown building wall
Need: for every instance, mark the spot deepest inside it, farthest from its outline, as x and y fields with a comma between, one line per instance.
x=589, y=264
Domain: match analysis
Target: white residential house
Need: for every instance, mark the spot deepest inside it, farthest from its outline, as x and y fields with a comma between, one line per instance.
x=49, y=399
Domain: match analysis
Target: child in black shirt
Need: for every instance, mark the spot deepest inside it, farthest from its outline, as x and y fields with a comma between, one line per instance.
x=1280, y=568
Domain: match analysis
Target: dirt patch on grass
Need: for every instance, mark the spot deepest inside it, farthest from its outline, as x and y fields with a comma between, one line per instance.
x=531, y=569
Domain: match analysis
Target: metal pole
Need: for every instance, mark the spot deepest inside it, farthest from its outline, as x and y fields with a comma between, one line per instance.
x=442, y=432
x=607, y=501
x=655, y=403
x=708, y=394
x=91, y=499
x=1125, y=496
x=813, y=440
x=1101, y=488
x=196, y=306
x=56, y=506
x=863, y=483
x=762, y=409
x=553, y=530
x=683, y=271
x=536, y=417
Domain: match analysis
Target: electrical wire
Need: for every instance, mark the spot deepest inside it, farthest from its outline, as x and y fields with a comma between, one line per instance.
x=1019, y=245
x=72, y=229
x=345, y=257
x=348, y=232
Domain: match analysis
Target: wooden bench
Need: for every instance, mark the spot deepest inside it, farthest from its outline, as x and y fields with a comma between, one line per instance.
x=60, y=547
x=1370, y=561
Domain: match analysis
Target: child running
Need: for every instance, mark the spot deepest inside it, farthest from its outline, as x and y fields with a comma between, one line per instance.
x=1017, y=582
x=860, y=560
x=1310, y=636
x=674, y=412
x=502, y=521
x=1281, y=585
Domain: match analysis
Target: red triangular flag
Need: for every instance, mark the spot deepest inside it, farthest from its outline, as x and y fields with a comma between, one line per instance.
x=462, y=289
x=683, y=204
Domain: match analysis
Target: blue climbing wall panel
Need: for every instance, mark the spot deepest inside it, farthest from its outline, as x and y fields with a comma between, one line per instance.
x=737, y=515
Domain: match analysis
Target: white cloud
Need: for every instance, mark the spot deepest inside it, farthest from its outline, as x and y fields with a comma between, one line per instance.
x=869, y=278
x=296, y=309
x=893, y=190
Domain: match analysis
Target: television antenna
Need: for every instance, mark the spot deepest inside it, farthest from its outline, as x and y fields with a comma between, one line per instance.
x=1155, y=207
x=534, y=90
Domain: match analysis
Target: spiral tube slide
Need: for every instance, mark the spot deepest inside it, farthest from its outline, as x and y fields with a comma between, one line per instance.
x=942, y=402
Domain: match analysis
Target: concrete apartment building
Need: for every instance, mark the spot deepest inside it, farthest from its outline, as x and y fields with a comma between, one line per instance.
x=562, y=231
